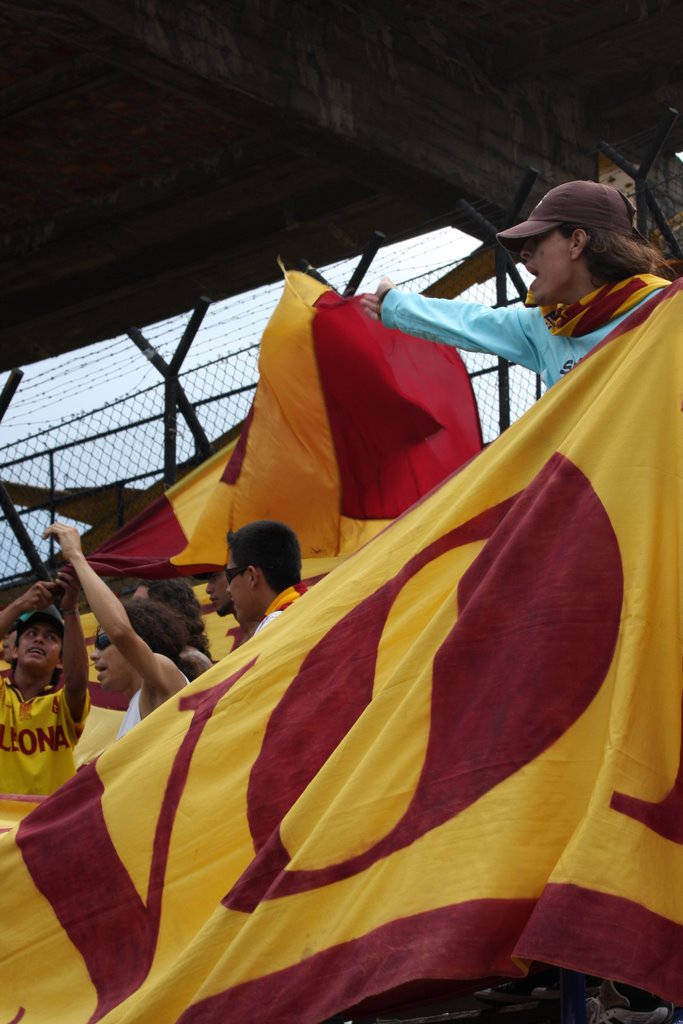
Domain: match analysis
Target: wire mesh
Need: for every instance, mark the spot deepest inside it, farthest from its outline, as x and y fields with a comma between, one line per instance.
x=100, y=467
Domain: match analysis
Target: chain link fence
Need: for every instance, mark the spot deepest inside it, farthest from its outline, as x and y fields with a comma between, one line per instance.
x=100, y=468
x=103, y=467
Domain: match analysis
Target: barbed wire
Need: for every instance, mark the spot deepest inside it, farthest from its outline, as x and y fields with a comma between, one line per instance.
x=96, y=464
x=118, y=368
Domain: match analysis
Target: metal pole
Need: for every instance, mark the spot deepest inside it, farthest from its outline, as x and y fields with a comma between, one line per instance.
x=503, y=365
x=525, y=187
x=53, y=509
x=663, y=129
x=505, y=268
x=11, y=385
x=618, y=159
x=202, y=443
x=189, y=334
x=6, y=503
x=644, y=197
x=490, y=235
x=641, y=204
x=501, y=277
x=170, y=430
x=305, y=268
x=120, y=503
x=663, y=225
x=27, y=546
x=148, y=351
x=377, y=239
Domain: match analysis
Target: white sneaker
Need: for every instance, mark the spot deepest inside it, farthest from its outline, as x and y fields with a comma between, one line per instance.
x=611, y=1007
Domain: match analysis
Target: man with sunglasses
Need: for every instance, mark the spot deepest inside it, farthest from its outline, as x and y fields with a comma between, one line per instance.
x=218, y=593
x=40, y=723
x=263, y=572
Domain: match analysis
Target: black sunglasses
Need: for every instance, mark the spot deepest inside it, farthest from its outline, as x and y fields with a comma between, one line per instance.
x=235, y=571
x=102, y=641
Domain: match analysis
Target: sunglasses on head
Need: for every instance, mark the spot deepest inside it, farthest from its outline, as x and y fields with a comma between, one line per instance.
x=102, y=641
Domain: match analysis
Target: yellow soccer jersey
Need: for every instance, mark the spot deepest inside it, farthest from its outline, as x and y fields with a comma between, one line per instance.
x=37, y=738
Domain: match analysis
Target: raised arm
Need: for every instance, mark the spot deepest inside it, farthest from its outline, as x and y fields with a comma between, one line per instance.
x=74, y=651
x=160, y=677
x=36, y=598
x=107, y=608
x=512, y=332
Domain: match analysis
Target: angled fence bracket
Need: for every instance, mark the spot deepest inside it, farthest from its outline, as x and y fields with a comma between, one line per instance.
x=174, y=396
x=6, y=504
x=645, y=198
x=505, y=268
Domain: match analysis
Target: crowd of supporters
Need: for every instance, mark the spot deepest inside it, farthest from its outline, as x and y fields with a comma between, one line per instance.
x=146, y=648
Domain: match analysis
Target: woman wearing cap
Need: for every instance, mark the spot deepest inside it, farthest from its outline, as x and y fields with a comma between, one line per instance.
x=138, y=647
x=590, y=268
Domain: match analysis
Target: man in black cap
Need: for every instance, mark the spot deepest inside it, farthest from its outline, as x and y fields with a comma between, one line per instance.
x=590, y=269
x=41, y=722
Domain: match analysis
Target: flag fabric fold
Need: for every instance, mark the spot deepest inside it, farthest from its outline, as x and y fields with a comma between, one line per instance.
x=351, y=423
x=460, y=752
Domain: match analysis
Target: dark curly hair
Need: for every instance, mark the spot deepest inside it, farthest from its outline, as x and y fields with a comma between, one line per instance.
x=161, y=627
x=178, y=594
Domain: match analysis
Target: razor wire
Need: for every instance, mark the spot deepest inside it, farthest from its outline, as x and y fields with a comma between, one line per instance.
x=104, y=464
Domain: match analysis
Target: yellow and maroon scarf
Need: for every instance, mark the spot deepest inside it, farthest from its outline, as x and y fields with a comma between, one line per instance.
x=600, y=306
x=285, y=598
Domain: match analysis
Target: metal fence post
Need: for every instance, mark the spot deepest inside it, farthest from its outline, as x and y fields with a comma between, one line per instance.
x=53, y=509
x=503, y=364
x=377, y=239
x=170, y=430
x=645, y=200
x=6, y=503
x=120, y=503
x=174, y=396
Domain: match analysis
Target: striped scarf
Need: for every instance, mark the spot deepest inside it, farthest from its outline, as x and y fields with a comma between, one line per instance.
x=285, y=598
x=600, y=306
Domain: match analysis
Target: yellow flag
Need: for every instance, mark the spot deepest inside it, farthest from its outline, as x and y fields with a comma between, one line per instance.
x=459, y=752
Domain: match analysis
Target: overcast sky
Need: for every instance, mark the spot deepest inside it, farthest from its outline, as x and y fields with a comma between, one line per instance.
x=54, y=390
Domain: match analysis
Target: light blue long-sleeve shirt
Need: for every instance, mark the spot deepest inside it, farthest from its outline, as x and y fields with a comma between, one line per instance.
x=517, y=333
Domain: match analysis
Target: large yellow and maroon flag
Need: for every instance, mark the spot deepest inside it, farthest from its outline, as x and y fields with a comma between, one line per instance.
x=351, y=424
x=461, y=751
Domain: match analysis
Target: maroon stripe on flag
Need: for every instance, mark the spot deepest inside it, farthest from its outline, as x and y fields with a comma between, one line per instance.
x=607, y=936
x=143, y=545
x=71, y=857
x=449, y=950
x=330, y=691
x=539, y=612
x=232, y=471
